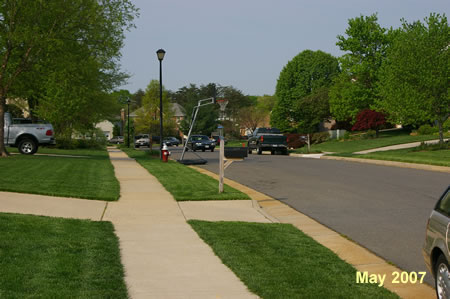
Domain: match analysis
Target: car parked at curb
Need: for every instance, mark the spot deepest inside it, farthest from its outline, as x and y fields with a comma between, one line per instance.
x=141, y=140
x=117, y=140
x=171, y=141
x=436, y=250
x=201, y=142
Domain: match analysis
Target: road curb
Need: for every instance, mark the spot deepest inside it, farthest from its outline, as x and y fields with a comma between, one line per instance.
x=359, y=257
x=391, y=163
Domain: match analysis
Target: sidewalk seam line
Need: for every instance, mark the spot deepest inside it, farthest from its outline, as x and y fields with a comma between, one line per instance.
x=104, y=211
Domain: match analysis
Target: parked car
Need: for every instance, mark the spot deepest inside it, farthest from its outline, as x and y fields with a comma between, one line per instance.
x=436, y=250
x=27, y=136
x=141, y=140
x=169, y=141
x=267, y=139
x=201, y=142
x=117, y=140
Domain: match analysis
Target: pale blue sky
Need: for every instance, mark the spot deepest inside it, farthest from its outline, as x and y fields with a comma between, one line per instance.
x=245, y=43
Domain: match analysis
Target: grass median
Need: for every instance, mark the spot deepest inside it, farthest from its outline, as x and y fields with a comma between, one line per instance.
x=437, y=157
x=90, y=177
x=184, y=183
x=279, y=261
x=350, y=146
x=44, y=257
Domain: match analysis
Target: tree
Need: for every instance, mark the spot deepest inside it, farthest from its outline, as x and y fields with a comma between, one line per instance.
x=147, y=119
x=354, y=89
x=39, y=40
x=414, y=79
x=301, y=77
x=369, y=120
x=312, y=110
x=136, y=99
x=252, y=117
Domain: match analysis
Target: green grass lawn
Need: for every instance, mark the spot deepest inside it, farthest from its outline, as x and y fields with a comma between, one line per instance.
x=234, y=143
x=90, y=177
x=44, y=257
x=279, y=261
x=183, y=182
x=437, y=157
x=350, y=146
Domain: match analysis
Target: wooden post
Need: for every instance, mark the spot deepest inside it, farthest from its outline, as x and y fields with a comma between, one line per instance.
x=221, y=164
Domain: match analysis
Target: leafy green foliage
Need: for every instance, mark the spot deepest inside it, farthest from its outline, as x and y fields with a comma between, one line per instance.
x=366, y=43
x=414, y=80
x=148, y=116
x=427, y=130
x=62, y=58
x=303, y=76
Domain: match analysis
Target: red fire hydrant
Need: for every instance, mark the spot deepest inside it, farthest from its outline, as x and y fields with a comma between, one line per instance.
x=165, y=153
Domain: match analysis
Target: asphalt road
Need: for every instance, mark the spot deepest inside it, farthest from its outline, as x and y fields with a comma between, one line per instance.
x=383, y=208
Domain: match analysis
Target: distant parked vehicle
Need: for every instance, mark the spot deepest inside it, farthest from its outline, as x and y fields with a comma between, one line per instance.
x=27, y=136
x=141, y=140
x=267, y=139
x=117, y=140
x=170, y=141
x=200, y=142
x=217, y=139
x=436, y=250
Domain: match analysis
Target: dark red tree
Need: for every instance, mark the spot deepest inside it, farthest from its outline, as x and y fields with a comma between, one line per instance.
x=369, y=120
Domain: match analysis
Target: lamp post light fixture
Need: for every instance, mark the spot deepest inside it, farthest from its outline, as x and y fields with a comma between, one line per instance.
x=128, y=119
x=160, y=53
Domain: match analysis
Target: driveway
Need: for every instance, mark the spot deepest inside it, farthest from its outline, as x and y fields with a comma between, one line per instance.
x=382, y=208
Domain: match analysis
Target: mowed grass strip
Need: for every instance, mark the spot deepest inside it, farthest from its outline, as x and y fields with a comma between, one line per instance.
x=89, y=177
x=350, y=146
x=184, y=183
x=44, y=257
x=437, y=157
x=279, y=261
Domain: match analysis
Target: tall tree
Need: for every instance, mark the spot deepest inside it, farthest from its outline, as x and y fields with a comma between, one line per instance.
x=147, y=119
x=37, y=36
x=414, y=79
x=301, y=77
x=366, y=43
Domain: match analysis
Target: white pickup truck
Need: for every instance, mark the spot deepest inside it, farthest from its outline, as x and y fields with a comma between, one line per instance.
x=27, y=137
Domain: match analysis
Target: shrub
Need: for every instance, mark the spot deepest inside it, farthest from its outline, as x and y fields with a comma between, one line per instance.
x=295, y=140
x=369, y=120
x=319, y=137
x=427, y=130
x=446, y=125
x=347, y=135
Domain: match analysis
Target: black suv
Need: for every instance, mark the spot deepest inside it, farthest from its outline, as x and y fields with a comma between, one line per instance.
x=201, y=142
x=169, y=141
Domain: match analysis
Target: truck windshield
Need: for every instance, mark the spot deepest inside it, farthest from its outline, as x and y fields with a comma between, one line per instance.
x=269, y=130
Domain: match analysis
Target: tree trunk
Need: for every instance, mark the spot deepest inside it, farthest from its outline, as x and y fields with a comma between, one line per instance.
x=441, y=132
x=3, y=151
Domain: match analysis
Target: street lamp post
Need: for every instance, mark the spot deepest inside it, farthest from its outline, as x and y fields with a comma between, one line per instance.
x=160, y=54
x=128, y=119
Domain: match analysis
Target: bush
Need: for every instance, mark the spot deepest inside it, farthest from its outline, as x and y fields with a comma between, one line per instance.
x=369, y=120
x=446, y=125
x=427, y=130
x=347, y=135
x=319, y=137
x=296, y=140
x=370, y=134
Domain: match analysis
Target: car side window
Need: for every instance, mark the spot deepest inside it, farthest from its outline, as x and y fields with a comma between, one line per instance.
x=444, y=204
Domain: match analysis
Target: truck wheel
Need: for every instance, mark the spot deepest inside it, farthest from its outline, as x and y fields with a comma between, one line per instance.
x=203, y=150
x=250, y=151
x=259, y=150
x=27, y=146
x=285, y=152
x=212, y=150
x=272, y=152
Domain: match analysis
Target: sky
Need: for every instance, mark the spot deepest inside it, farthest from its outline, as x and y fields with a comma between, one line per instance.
x=245, y=43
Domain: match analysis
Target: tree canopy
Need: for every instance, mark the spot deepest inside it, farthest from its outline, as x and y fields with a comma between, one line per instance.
x=306, y=73
x=62, y=58
x=414, y=79
x=365, y=45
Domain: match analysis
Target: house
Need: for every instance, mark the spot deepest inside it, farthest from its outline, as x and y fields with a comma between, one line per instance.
x=107, y=128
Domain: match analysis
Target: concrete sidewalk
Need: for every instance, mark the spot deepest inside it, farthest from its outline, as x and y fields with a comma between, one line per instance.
x=162, y=255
